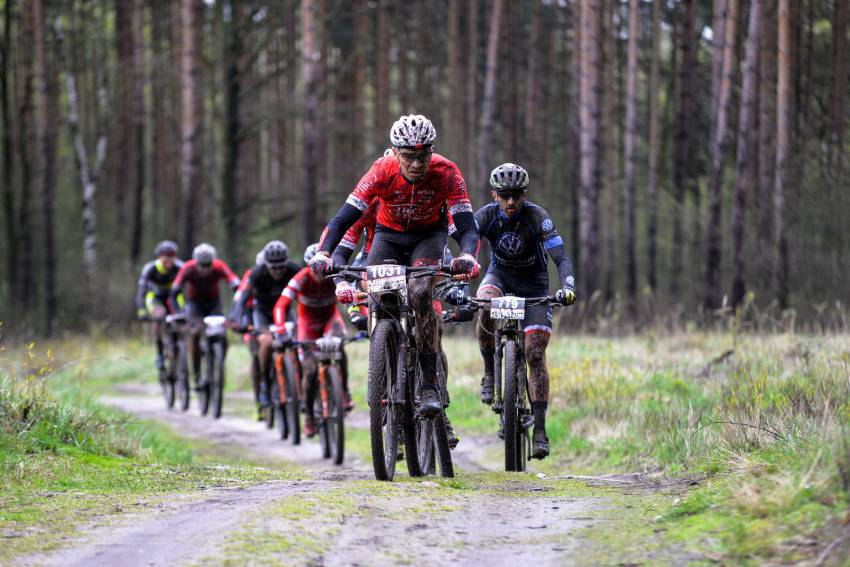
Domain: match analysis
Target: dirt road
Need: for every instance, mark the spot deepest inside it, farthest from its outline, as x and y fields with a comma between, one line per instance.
x=339, y=515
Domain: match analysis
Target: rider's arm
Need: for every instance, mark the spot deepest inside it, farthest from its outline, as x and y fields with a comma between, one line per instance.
x=289, y=294
x=177, y=286
x=355, y=205
x=242, y=295
x=232, y=279
x=554, y=246
x=142, y=290
x=460, y=209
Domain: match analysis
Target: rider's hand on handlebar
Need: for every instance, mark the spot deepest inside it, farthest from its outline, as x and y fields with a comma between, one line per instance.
x=142, y=314
x=345, y=292
x=565, y=296
x=322, y=264
x=467, y=265
x=456, y=296
x=463, y=314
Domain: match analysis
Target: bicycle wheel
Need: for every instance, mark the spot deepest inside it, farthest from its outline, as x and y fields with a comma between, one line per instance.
x=182, y=376
x=218, y=378
x=167, y=375
x=270, y=410
x=293, y=411
x=336, y=420
x=441, y=440
x=425, y=446
x=509, y=411
x=206, y=378
x=322, y=425
x=383, y=413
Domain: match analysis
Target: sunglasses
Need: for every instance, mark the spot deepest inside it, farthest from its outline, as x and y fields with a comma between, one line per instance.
x=415, y=156
x=516, y=194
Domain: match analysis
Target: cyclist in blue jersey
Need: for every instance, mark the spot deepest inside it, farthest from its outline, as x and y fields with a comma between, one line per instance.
x=522, y=237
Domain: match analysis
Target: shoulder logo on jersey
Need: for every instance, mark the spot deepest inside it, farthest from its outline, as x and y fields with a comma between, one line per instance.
x=510, y=243
x=547, y=224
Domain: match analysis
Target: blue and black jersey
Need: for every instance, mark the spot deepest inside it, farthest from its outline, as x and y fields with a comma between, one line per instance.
x=522, y=244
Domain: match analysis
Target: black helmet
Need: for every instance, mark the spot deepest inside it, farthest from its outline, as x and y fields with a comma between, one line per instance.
x=276, y=253
x=165, y=248
x=508, y=177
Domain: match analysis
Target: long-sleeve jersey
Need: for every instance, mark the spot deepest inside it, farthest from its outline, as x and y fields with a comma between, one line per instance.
x=203, y=287
x=156, y=279
x=316, y=298
x=520, y=244
x=406, y=206
x=265, y=289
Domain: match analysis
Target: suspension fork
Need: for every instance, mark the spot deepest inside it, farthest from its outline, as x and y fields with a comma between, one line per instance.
x=278, y=367
x=498, y=377
x=404, y=352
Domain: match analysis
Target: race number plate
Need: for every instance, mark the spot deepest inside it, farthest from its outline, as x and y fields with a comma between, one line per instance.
x=387, y=277
x=508, y=307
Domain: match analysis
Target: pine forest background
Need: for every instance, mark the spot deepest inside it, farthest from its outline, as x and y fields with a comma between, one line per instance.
x=694, y=153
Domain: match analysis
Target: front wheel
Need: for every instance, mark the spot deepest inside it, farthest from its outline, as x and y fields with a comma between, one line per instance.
x=383, y=412
x=167, y=376
x=182, y=382
x=336, y=418
x=292, y=410
x=218, y=378
x=513, y=429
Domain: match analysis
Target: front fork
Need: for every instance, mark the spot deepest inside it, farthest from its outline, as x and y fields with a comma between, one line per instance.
x=323, y=390
x=498, y=403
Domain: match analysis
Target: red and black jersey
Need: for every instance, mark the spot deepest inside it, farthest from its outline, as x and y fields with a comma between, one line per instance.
x=316, y=298
x=203, y=287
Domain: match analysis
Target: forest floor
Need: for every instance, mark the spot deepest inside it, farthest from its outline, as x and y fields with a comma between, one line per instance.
x=149, y=486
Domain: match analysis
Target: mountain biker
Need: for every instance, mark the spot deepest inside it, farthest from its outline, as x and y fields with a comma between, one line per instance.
x=521, y=235
x=416, y=188
x=154, y=287
x=346, y=292
x=201, y=276
x=318, y=316
x=263, y=283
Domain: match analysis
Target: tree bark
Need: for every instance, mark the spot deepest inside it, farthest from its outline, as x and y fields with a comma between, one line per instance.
x=233, y=52
x=48, y=111
x=783, y=140
x=652, y=157
x=138, y=113
x=718, y=150
x=382, y=78
x=8, y=174
x=161, y=181
x=684, y=148
x=767, y=125
x=472, y=93
x=454, y=143
x=745, y=145
x=531, y=145
x=121, y=176
x=191, y=119
x=310, y=54
x=589, y=144
x=487, y=105
x=25, y=145
x=838, y=99
x=631, y=158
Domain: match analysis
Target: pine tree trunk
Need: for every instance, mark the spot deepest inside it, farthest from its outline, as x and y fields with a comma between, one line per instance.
x=472, y=94
x=767, y=125
x=455, y=95
x=838, y=99
x=25, y=144
x=745, y=146
x=718, y=150
x=608, y=146
x=531, y=136
x=631, y=158
x=310, y=53
x=652, y=158
x=138, y=111
x=190, y=124
x=8, y=174
x=783, y=141
x=382, y=114
x=488, y=103
x=121, y=176
x=233, y=52
x=48, y=111
x=161, y=181
x=589, y=144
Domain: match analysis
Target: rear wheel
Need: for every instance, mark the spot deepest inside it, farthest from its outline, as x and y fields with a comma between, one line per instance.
x=509, y=412
x=182, y=383
x=218, y=378
x=292, y=410
x=167, y=375
x=383, y=413
x=425, y=446
x=270, y=410
x=336, y=419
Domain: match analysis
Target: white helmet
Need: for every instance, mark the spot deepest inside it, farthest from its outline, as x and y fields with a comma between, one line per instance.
x=412, y=131
x=508, y=177
x=204, y=254
x=259, y=260
x=275, y=253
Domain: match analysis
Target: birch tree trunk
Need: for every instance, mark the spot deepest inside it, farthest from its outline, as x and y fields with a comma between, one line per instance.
x=88, y=174
x=745, y=145
x=718, y=149
x=487, y=105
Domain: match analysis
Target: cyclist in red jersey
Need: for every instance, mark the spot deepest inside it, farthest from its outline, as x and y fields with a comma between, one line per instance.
x=199, y=280
x=416, y=189
x=317, y=316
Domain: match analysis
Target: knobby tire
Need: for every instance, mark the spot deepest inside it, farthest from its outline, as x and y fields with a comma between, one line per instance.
x=383, y=372
x=510, y=407
x=218, y=380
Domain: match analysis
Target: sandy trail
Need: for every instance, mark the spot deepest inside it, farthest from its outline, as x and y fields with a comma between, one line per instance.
x=412, y=522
